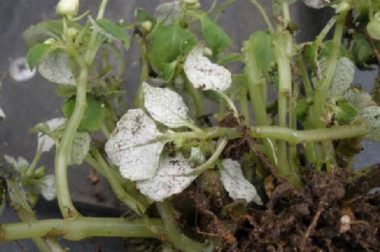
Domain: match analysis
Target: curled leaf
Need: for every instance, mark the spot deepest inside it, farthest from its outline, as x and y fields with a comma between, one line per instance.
x=165, y=106
x=129, y=146
x=56, y=68
x=45, y=142
x=172, y=177
x=235, y=184
x=20, y=164
x=343, y=77
x=204, y=74
x=372, y=115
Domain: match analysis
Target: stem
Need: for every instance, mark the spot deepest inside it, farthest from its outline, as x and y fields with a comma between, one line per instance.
x=102, y=8
x=263, y=14
x=129, y=200
x=230, y=104
x=174, y=234
x=205, y=166
x=144, y=74
x=244, y=104
x=77, y=229
x=63, y=195
x=322, y=88
x=291, y=136
x=34, y=163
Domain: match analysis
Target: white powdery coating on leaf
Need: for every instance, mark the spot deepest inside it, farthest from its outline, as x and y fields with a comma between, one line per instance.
x=197, y=156
x=372, y=116
x=165, y=106
x=172, y=177
x=55, y=67
x=343, y=77
x=316, y=4
x=235, y=184
x=80, y=148
x=129, y=146
x=45, y=143
x=168, y=13
x=47, y=187
x=204, y=74
x=359, y=99
x=20, y=164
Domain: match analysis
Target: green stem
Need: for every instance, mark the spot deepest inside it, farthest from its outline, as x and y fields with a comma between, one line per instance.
x=244, y=104
x=174, y=234
x=208, y=164
x=291, y=136
x=322, y=88
x=77, y=229
x=102, y=8
x=112, y=178
x=63, y=195
x=144, y=74
x=263, y=14
x=34, y=163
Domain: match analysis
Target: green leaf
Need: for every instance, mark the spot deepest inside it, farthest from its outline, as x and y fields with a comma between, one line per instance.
x=327, y=48
x=114, y=31
x=93, y=116
x=80, y=148
x=259, y=54
x=37, y=53
x=361, y=50
x=345, y=112
x=166, y=45
x=214, y=36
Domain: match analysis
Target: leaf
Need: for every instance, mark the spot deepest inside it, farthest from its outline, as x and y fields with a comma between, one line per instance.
x=345, y=112
x=165, y=106
x=56, y=68
x=373, y=27
x=37, y=53
x=2, y=114
x=372, y=116
x=196, y=156
x=114, y=31
x=130, y=147
x=259, y=55
x=343, y=77
x=316, y=4
x=79, y=148
x=93, y=116
x=20, y=164
x=204, y=74
x=361, y=50
x=45, y=142
x=172, y=177
x=47, y=187
x=214, y=36
x=358, y=98
x=169, y=13
x=166, y=44
x=235, y=184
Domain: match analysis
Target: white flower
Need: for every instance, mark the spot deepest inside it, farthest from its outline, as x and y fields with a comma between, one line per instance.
x=204, y=74
x=68, y=7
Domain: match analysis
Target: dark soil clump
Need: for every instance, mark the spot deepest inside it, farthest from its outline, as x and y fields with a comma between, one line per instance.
x=320, y=217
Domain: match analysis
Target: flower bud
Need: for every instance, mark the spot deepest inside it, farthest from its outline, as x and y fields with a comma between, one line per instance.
x=147, y=25
x=68, y=7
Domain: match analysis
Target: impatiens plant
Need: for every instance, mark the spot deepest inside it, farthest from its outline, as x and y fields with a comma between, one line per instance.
x=288, y=123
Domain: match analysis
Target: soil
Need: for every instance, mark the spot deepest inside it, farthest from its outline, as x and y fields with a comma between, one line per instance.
x=322, y=216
